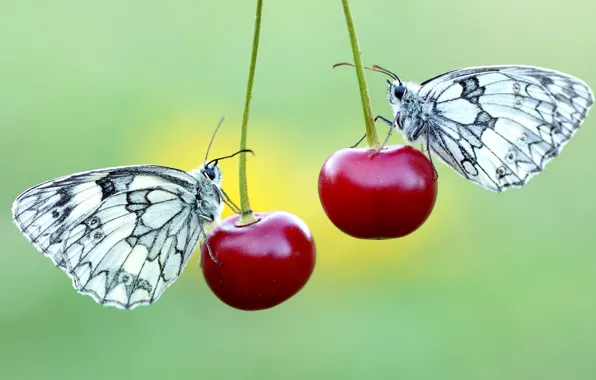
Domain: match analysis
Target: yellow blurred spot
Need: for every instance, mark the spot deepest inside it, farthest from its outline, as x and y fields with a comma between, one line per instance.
x=280, y=177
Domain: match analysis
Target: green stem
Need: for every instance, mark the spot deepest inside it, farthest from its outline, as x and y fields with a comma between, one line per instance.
x=371, y=133
x=247, y=217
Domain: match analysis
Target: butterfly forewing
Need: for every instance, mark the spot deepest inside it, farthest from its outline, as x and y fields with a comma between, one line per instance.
x=45, y=212
x=499, y=125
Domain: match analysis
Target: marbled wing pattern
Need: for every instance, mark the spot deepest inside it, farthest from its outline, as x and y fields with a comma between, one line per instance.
x=499, y=125
x=136, y=244
x=122, y=234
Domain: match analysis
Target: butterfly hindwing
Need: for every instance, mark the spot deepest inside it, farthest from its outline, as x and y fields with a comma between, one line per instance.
x=136, y=244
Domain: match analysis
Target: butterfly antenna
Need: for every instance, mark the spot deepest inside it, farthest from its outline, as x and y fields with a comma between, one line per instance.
x=376, y=68
x=383, y=70
x=213, y=137
x=343, y=64
x=230, y=156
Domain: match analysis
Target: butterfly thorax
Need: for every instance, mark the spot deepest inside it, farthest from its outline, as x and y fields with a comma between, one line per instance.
x=209, y=200
x=208, y=192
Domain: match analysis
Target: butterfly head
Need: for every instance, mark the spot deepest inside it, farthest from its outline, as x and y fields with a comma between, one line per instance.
x=397, y=91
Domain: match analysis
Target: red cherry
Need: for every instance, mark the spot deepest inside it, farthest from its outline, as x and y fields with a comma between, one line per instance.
x=387, y=195
x=263, y=264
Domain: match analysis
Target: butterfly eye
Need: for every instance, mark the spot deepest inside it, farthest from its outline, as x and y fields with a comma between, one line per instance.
x=399, y=91
x=210, y=172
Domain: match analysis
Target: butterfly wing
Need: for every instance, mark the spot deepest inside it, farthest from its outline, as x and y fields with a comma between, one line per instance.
x=499, y=125
x=53, y=214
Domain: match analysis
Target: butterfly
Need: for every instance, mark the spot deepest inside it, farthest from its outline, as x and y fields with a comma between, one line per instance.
x=123, y=234
x=496, y=126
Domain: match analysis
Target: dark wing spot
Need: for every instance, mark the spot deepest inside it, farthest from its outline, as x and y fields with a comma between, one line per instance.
x=145, y=285
x=474, y=96
x=107, y=187
x=485, y=119
x=471, y=90
x=470, y=85
x=546, y=81
x=65, y=197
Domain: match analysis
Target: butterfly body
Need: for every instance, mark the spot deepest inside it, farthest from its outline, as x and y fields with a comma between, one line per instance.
x=208, y=191
x=415, y=106
x=495, y=125
x=123, y=234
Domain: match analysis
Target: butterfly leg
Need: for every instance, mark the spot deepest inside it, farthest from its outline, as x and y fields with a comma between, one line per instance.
x=382, y=145
x=359, y=141
x=228, y=201
x=376, y=118
x=430, y=157
x=383, y=119
x=391, y=124
x=387, y=138
x=207, y=244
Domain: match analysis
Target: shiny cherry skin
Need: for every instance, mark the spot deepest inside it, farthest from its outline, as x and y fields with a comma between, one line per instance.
x=262, y=264
x=384, y=195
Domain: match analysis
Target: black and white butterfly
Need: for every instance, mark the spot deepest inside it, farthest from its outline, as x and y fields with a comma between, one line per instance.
x=495, y=125
x=123, y=234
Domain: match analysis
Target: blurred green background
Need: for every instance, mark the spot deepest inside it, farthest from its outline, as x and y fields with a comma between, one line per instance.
x=493, y=286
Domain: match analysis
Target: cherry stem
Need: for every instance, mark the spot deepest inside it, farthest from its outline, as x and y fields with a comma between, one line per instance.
x=372, y=138
x=246, y=216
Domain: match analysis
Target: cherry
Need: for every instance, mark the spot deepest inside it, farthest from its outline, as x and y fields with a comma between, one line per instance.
x=378, y=196
x=262, y=264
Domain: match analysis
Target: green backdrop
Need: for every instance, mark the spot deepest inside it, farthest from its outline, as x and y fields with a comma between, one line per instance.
x=493, y=286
